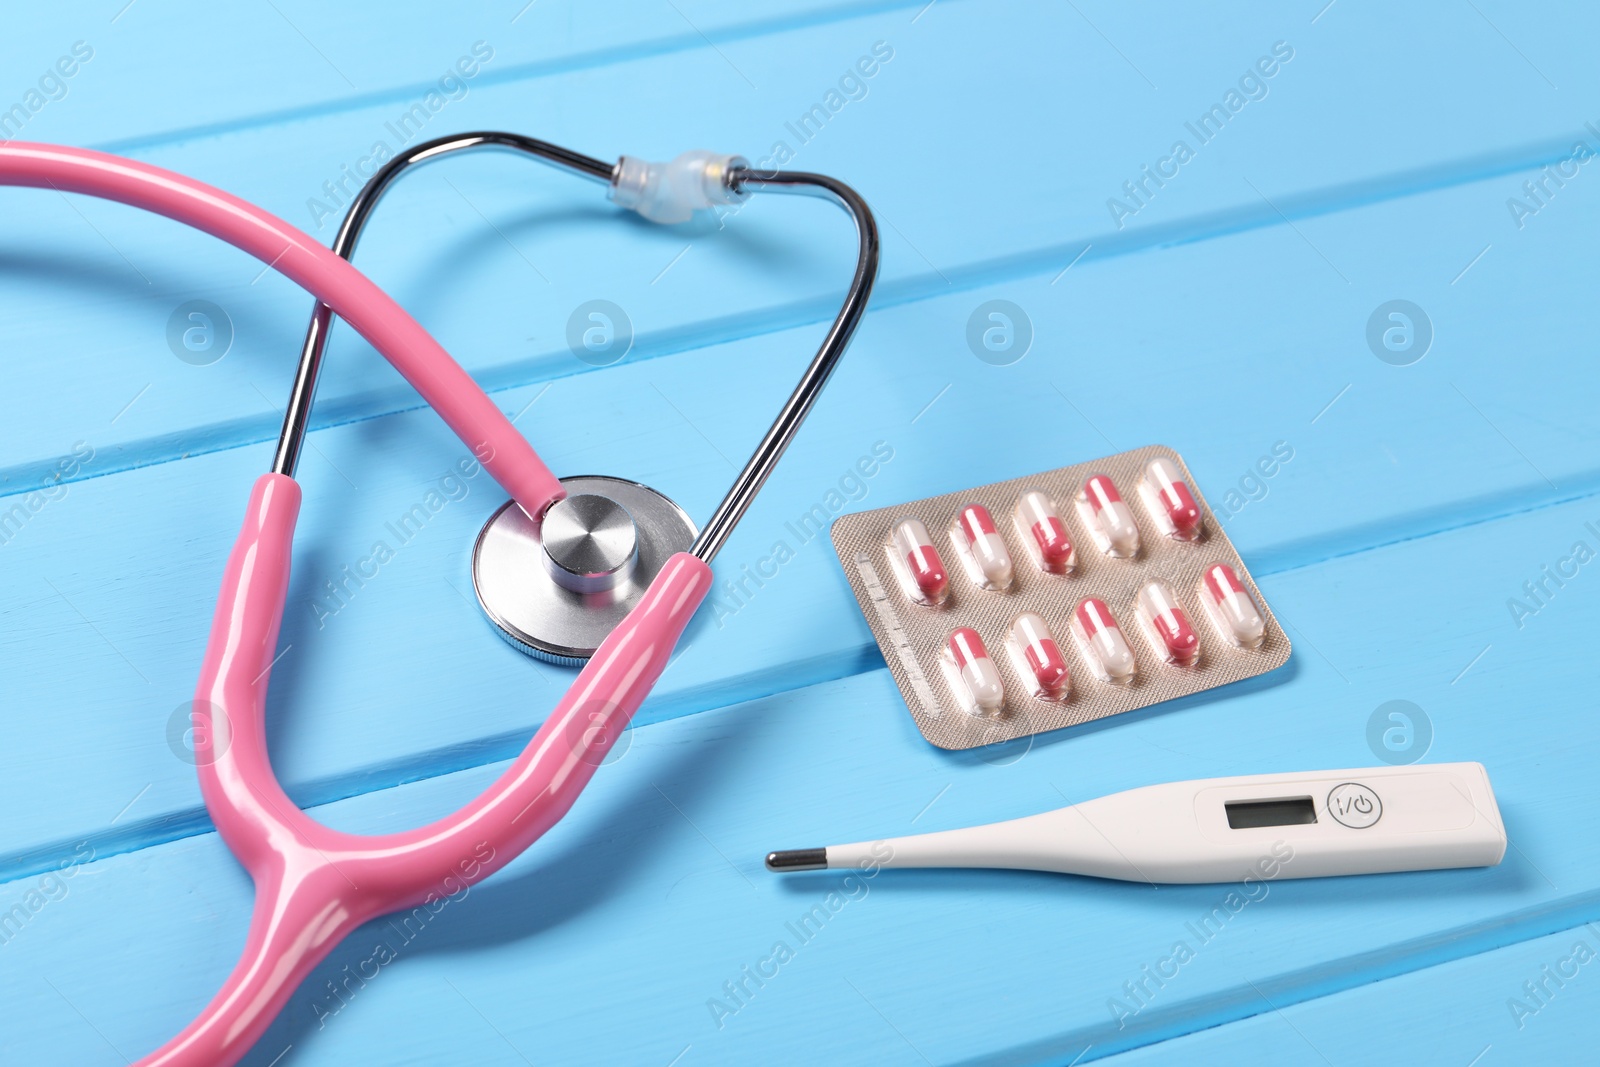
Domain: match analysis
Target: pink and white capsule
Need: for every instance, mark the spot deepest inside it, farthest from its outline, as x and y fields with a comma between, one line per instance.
x=977, y=670
x=975, y=526
x=1168, y=624
x=1038, y=520
x=1109, y=516
x=1101, y=641
x=921, y=560
x=1171, y=504
x=1032, y=641
x=1230, y=607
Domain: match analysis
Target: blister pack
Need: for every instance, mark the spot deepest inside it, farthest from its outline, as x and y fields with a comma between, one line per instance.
x=1052, y=600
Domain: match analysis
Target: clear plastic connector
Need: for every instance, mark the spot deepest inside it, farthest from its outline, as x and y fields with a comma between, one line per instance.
x=673, y=192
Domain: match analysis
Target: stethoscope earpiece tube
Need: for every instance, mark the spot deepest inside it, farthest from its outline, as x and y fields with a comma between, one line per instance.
x=297, y=415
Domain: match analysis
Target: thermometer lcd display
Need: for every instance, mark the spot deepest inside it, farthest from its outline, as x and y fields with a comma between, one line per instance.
x=1280, y=811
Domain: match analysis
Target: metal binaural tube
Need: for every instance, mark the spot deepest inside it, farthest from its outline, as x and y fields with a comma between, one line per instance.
x=297, y=417
x=783, y=429
x=795, y=409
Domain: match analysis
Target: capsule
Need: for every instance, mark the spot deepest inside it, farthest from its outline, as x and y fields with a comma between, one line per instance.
x=975, y=527
x=922, y=562
x=1038, y=520
x=1169, y=500
x=976, y=669
x=1230, y=607
x=1109, y=517
x=1037, y=650
x=1101, y=641
x=1168, y=624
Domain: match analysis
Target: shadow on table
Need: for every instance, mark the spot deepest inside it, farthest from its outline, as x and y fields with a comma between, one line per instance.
x=562, y=885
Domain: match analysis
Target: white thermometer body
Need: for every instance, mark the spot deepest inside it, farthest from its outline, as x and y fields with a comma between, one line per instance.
x=1309, y=825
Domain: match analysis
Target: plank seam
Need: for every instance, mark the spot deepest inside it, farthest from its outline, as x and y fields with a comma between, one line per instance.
x=1316, y=982
x=690, y=41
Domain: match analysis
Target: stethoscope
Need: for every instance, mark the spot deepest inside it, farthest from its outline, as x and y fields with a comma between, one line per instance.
x=555, y=587
x=631, y=591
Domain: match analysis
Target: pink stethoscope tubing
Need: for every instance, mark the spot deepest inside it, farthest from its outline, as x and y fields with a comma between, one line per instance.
x=396, y=335
x=313, y=884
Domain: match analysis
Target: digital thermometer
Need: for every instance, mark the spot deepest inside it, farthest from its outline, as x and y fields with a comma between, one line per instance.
x=1308, y=825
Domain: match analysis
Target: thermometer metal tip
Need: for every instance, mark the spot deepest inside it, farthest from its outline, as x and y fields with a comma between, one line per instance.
x=798, y=859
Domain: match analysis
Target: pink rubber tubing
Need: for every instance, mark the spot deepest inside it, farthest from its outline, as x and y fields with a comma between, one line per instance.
x=314, y=885
x=483, y=427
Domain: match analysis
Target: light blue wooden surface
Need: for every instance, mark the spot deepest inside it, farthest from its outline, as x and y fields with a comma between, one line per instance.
x=1225, y=316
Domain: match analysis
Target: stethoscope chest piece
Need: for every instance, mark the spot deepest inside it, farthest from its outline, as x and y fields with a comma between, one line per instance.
x=556, y=588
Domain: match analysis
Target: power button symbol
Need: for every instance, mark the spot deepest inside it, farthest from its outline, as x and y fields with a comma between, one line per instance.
x=1354, y=805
